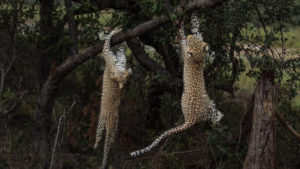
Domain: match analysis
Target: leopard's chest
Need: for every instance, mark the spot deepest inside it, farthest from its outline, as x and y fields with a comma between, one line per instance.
x=194, y=97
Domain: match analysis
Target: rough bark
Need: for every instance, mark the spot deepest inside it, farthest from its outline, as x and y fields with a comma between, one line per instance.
x=245, y=124
x=43, y=124
x=42, y=120
x=261, y=151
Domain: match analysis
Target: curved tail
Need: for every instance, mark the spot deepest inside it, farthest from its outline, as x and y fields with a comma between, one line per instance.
x=99, y=131
x=167, y=133
x=108, y=54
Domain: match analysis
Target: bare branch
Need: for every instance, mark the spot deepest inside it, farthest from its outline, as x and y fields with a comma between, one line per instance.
x=286, y=125
x=60, y=124
x=15, y=104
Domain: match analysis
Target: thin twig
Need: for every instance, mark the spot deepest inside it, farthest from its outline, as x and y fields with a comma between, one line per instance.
x=60, y=123
x=13, y=106
x=56, y=139
x=71, y=108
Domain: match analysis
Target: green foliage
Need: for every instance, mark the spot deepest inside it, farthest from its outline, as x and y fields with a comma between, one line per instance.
x=9, y=94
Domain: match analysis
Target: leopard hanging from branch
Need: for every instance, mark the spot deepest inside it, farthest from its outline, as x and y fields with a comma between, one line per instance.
x=196, y=104
x=114, y=78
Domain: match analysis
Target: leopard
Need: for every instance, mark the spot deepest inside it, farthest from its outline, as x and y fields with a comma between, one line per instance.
x=114, y=77
x=195, y=102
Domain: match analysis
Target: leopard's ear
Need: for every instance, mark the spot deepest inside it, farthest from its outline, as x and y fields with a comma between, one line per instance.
x=189, y=54
x=206, y=48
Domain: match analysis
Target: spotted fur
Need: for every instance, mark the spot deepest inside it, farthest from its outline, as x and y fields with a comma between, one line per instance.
x=195, y=22
x=195, y=103
x=115, y=76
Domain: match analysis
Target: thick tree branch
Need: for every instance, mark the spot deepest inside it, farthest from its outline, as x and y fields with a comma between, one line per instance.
x=286, y=125
x=72, y=62
x=171, y=59
x=142, y=28
x=138, y=51
x=201, y=4
x=144, y=59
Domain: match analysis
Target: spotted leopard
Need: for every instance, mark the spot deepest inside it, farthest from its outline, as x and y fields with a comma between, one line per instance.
x=114, y=78
x=196, y=104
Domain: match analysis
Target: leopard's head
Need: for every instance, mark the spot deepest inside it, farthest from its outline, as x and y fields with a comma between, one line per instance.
x=216, y=116
x=196, y=49
x=121, y=76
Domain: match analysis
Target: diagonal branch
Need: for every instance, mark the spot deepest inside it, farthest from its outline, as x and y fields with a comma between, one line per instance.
x=202, y=4
x=14, y=105
x=166, y=50
x=140, y=29
x=144, y=59
x=286, y=125
x=138, y=51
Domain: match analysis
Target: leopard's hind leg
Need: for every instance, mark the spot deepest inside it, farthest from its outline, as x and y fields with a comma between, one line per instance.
x=111, y=131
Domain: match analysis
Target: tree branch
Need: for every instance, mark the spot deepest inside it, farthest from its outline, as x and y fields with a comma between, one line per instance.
x=166, y=50
x=144, y=59
x=202, y=4
x=14, y=105
x=69, y=64
x=138, y=51
x=286, y=125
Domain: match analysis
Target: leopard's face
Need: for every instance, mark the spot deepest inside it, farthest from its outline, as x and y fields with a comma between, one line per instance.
x=196, y=49
x=121, y=76
x=216, y=116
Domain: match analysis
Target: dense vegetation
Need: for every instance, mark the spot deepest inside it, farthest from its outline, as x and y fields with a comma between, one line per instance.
x=51, y=74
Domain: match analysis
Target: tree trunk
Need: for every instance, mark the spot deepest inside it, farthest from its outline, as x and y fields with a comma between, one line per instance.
x=46, y=27
x=261, y=151
x=72, y=27
x=43, y=123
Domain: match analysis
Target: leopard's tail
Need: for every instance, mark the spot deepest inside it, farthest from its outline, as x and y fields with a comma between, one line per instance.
x=106, y=47
x=99, y=131
x=167, y=133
